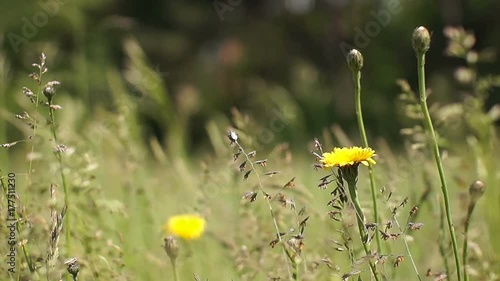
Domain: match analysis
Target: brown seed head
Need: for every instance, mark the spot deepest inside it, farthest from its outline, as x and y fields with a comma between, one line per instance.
x=171, y=247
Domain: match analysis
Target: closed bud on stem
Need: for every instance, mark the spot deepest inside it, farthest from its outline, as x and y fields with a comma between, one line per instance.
x=49, y=92
x=50, y=89
x=171, y=247
x=73, y=267
x=421, y=40
x=355, y=60
x=476, y=190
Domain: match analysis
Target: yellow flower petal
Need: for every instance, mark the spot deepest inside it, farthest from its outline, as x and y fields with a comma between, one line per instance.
x=185, y=226
x=348, y=156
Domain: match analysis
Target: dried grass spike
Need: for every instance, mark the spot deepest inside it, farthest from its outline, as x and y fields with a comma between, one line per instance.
x=263, y=162
x=385, y=236
x=242, y=166
x=236, y=155
x=290, y=183
x=398, y=261
x=405, y=201
x=9, y=145
x=302, y=210
x=245, y=177
x=350, y=274
x=413, y=211
x=272, y=173
x=415, y=226
x=250, y=195
x=317, y=145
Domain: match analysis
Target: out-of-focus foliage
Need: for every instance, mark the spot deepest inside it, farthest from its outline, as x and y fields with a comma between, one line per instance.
x=215, y=55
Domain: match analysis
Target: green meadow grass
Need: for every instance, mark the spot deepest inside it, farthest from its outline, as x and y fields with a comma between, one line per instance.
x=123, y=184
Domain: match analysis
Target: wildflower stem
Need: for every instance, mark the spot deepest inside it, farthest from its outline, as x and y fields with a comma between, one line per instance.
x=442, y=240
x=435, y=151
x=476, y=190
x=295, y=273
x=472, y=205
x=360, y=217
x=63, y=176
x=35, y=116
x=174, y=269
x=356, y=74
x=403, y=232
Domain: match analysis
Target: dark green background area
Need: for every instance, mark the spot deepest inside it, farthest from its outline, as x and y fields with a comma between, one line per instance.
x=234, y=53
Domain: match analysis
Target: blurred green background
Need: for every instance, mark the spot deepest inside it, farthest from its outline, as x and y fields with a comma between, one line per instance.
x=215, y=55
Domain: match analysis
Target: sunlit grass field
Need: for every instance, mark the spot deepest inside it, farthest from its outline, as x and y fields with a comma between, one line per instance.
x=90, y=183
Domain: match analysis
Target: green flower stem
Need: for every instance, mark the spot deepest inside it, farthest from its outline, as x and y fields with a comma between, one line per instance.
x=295, y=273
x=435, y=150
x=442, y=240
x=362, y=132
x=361, y=225
x=472, y=205
x=174, y=269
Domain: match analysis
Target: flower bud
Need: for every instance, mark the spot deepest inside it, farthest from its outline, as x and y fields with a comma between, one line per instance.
x=355, y=60
x=73, y=267
x=49, y=92
x=50, y=89
x=476, y=190
x=171, y=247
x=421, y=40
x=232, y=136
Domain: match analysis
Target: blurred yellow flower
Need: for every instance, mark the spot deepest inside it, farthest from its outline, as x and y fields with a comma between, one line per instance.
x=188, y=226
x=348, y=156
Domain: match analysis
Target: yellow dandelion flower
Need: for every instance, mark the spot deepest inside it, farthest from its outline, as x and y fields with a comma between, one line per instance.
x=348, y=156
x=187, y=226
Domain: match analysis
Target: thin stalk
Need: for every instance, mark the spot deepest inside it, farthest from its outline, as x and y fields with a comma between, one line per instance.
x=35, y=116
x=360, y=217
x=362, y=132
x=261, y=188
x=174, y=269
x=403, y=232
x=466, y=238
x=437, y=157
x=442, y=240
x=63, y=177
x=295, y=274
